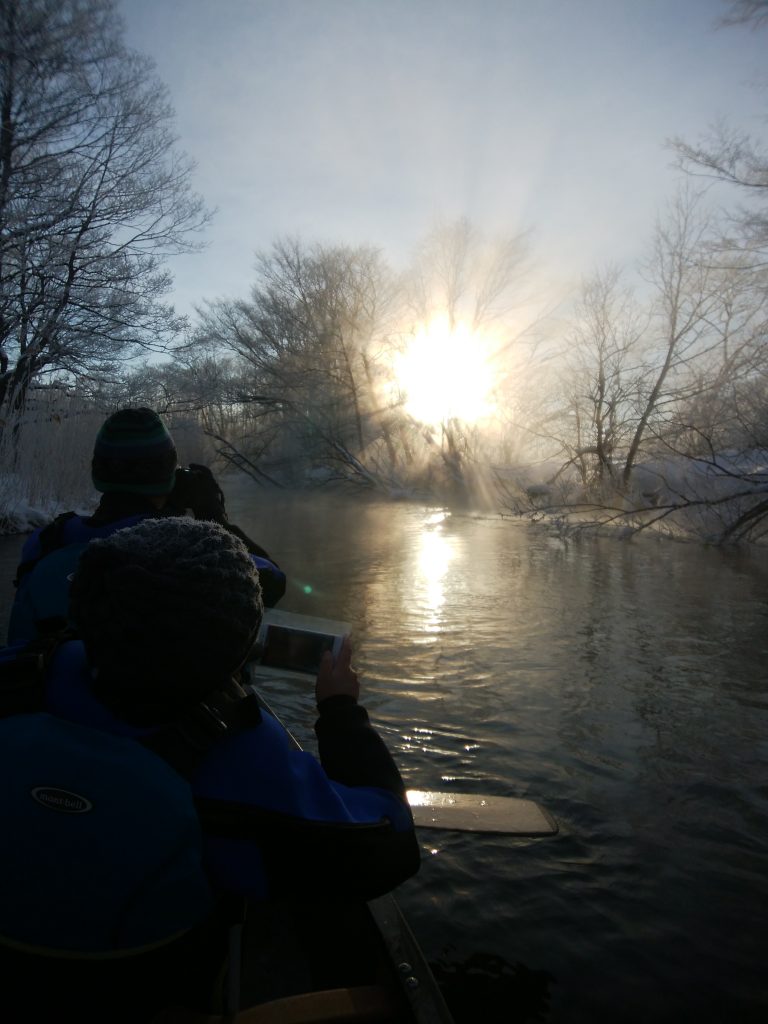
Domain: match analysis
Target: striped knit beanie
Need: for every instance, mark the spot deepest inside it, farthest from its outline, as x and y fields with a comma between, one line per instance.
x=134, y=452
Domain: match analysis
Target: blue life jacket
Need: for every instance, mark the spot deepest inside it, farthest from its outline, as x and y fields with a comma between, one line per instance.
x=49, y=558
x=254, y=789
x=102, y=852
x=266, y=809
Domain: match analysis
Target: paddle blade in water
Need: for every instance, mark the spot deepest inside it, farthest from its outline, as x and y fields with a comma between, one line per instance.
x=470, y=812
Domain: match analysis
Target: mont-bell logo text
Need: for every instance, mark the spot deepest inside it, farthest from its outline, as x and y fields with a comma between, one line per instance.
x=61, y=800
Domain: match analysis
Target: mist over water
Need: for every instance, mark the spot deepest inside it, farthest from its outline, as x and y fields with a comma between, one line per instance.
x=622, y=685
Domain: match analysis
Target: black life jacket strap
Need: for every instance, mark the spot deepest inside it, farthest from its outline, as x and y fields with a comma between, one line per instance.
x=22, y=680
x=51, y=539
x=185, y=742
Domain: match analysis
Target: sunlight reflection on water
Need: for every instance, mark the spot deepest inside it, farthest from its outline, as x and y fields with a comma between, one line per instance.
x=433, y=556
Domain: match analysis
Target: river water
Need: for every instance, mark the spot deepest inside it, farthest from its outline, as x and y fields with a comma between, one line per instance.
x=623, y=685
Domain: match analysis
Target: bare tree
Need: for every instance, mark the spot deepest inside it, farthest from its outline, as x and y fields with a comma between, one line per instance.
x=625, y=369
x=599, y=381
x=734, y=158
x=746, y=12
x=686, y=299
x=93, y=195
x=726, y=406
x=659, y=409
x=722, y=426
x=309, y=342
x=459, y=272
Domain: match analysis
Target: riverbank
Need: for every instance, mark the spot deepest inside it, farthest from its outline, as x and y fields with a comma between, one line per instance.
x=720, y=499
x=23, y=518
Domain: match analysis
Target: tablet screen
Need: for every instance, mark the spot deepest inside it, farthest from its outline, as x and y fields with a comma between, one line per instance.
x=294, y=649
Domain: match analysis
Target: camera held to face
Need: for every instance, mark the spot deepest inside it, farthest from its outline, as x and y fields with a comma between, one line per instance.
x=195, y=488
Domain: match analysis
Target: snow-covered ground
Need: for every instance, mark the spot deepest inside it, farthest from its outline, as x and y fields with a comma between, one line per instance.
x=45, y=466
x=21, y=517
x=697, y=499
x=20, y=514
x=677, y=496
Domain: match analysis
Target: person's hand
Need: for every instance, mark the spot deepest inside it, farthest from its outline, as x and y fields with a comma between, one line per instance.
x=337, y=677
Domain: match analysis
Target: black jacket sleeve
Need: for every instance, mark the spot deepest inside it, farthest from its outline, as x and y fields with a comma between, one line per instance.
x=315, y=860
x=330, y=860
x=351, y=751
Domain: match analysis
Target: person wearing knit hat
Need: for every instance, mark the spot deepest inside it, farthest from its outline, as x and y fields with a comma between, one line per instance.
x=167, y=612
x=134, y=466
x=134, y=453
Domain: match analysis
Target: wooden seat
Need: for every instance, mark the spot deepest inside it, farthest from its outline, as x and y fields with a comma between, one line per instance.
x=333, y=1006
x=359, y=1005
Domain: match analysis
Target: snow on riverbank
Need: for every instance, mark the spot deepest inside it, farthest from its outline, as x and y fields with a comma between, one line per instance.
x=20, y=515
x=22, y=518
x=722, y=497
x=696, y=499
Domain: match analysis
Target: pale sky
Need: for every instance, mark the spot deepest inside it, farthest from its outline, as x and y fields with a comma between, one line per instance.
x=365, y=121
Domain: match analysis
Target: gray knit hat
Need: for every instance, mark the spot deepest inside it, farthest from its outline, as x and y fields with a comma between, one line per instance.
x=167, y=610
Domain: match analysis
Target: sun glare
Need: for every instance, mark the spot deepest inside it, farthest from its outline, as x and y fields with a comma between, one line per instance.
x=444, y=374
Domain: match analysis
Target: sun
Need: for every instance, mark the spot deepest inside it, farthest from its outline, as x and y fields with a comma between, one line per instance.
x=444, y=373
